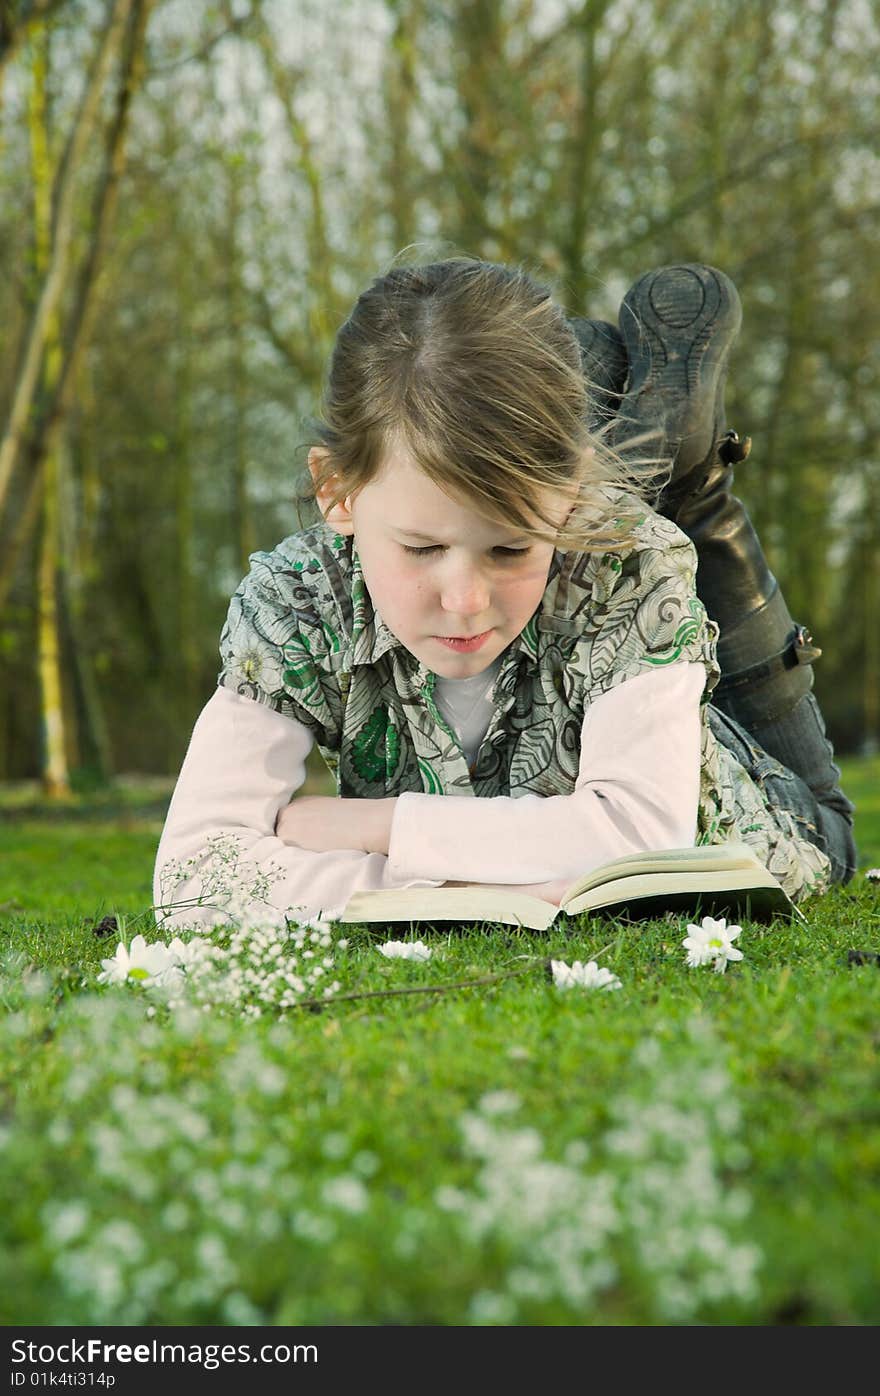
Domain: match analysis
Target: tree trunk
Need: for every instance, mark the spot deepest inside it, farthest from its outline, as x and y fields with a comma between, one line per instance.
x=95, y=751
x=56, y=781
x=55, y=775
x=400, y=95
x=584, y=146
x=21, y=536
x=245, y=541
x=183, y=504
x=479, y=37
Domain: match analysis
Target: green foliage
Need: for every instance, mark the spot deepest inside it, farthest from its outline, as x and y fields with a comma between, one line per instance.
x=693, y=1147
x=588, y=141
x=861, y=781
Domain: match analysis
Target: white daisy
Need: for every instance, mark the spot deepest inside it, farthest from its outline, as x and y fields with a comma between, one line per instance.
x=580, y=976
x=404, y=950
x=712, y=943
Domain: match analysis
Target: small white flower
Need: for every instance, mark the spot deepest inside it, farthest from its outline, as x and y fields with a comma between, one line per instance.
x=65, y=1221
x=347, y=1193
x=299, y=916
x=712, y=942
x=169, y=978
x=404, y=950
x=188, y=954
x=580, y=976
x=242, y=909
x=873, y=874
x=141, y=962
x=498, y=1102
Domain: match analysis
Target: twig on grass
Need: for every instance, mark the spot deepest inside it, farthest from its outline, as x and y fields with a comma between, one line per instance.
x=317, y=1004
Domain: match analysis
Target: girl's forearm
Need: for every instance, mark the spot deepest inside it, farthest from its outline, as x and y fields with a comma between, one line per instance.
x=377, y=816
x=325, y=822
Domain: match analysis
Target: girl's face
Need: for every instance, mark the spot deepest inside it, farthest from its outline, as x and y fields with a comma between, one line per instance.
x=438, y=572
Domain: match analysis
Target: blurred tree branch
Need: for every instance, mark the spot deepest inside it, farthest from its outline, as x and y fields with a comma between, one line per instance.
x=320, y=263
x=284, y=157
x=79, y=320
x=61, y=252
x=18, y=18
x=85, y=302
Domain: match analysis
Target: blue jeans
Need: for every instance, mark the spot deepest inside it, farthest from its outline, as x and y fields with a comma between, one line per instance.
x=792, y=762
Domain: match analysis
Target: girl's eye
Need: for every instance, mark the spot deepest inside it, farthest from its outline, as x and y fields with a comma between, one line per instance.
x=437, y=547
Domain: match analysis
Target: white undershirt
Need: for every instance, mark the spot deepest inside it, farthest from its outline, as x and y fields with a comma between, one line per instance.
x=466, y=705
x=637, y=788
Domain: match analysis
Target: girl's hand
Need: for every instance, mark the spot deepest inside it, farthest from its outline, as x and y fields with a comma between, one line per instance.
x=322, y=823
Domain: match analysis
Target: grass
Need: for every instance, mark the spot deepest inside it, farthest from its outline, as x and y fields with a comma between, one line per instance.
x=692, y=1147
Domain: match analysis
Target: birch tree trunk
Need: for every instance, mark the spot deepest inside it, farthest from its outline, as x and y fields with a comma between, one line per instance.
x=56, y=779
x=55, y=775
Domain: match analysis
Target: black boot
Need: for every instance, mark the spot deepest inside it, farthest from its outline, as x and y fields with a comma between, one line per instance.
x=605, y=365
x=679, y=324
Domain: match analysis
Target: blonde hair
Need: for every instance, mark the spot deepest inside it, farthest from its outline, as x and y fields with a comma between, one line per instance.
x=474, y=368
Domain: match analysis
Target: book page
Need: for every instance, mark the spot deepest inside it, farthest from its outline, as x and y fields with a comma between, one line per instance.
x=512, y=906
x=705, y=858
x=731, y=887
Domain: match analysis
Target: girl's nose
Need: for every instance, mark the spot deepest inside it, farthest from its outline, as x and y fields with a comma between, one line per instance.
x=465, y=591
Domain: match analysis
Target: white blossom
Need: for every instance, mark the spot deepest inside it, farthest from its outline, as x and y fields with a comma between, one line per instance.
x=712, y=943
x=189, y=954
x=253, y=966
x=580, y=976
x=140, y=962
x=404, y=950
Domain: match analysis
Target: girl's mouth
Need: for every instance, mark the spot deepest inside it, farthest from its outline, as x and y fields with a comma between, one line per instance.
x=464, y=646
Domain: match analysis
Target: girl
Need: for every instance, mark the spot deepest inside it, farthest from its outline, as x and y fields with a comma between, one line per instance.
x=501, y=650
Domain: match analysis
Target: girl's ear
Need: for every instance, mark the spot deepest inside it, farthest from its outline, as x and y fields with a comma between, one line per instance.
x=339, y=515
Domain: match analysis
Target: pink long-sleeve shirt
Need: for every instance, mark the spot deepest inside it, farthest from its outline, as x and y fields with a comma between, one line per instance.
x=637, y=788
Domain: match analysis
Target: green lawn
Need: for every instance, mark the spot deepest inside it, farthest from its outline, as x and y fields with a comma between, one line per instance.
x=693, y=1147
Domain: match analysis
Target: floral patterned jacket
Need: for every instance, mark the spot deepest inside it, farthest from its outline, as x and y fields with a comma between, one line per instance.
x=302, y=636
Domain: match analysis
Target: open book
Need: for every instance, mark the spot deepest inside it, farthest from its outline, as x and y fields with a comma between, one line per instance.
x=725, y=879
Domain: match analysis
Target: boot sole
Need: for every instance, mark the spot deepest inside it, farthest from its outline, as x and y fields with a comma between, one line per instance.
x=678, y=325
